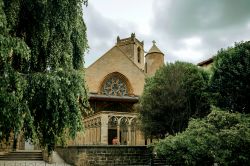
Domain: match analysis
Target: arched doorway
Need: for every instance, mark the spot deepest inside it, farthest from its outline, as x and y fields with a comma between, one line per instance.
x=124, y=131
x=112, y=129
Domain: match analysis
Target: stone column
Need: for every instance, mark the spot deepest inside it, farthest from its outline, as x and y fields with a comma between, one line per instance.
x=92, y=135
x=89, y=135
x=98, y=134
x=104, y=129
x=86, y=135
x=118, y=132
x=129, y=135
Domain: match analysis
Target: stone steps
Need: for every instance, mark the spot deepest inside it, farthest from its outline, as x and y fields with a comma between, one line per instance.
x=22, y=156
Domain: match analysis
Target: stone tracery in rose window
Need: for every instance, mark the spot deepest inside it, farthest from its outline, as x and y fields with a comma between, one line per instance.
x=115, y=86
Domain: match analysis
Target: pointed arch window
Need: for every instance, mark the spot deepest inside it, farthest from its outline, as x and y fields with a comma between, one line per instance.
x=114, y=86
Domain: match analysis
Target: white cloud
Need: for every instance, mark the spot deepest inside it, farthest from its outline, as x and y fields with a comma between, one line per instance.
x=191, y=31
x=248, y=25
x=192, y=42
x=188, y=53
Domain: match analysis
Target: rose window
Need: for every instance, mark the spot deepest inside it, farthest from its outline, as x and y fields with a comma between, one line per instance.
x=115, y=86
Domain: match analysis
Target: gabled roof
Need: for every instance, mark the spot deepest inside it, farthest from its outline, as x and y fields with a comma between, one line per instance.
x=122, y=54
x=114, y=61
x=100, y=57
x=131, y=60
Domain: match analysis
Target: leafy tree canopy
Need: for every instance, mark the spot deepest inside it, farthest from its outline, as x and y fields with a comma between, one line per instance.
x=231, y=77
x=221, y=137
x=42, y=46
x=12, y=83
x=176, y=93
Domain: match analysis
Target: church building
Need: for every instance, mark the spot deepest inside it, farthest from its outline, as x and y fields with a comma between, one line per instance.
x=115, y=81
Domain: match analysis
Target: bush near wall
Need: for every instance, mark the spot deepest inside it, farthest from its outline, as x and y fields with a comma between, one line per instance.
x=221, y=137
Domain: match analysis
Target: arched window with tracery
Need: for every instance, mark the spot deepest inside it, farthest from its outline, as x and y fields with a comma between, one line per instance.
x=115, y=85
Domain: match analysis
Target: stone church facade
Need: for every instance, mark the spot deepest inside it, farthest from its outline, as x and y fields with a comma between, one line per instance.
x=115, y=81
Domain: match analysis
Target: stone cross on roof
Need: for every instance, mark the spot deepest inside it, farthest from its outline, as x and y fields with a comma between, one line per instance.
x=154, y=48
x=153, y=42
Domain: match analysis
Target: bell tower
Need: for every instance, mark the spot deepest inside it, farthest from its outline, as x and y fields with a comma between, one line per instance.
x=154, y=59
x=133, y=48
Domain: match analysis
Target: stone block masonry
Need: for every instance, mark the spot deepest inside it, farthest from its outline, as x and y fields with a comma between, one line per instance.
x=105, y=155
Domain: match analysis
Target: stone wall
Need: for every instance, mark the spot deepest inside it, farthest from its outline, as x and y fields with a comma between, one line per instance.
x=6, y=146
x=94, y=155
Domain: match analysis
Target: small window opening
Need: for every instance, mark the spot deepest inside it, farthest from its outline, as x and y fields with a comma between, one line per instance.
x=139, y=55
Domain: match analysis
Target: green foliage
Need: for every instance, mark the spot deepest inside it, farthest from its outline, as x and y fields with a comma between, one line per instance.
x=54, y=30
x=231, y=77
x=12, y=103
x=176, y=93
x=13, y=108
x=41, y=69
x=56, y=114
x=221, y=137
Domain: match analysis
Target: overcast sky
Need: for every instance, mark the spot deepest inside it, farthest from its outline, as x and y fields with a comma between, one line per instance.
x=185, y=30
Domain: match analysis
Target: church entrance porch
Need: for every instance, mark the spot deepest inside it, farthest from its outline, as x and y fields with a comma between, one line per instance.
x=118, y=130
x=113, y=118
x=102, y=127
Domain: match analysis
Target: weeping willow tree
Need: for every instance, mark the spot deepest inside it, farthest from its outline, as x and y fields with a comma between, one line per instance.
x=13, y=107
x=42, y=87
